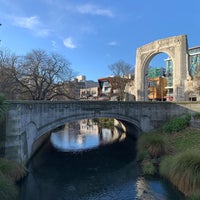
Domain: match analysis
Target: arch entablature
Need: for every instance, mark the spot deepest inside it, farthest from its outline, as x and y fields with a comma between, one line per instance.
x=176, y=48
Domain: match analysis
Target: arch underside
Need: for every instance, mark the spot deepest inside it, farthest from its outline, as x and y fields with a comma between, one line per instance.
x=61, y=121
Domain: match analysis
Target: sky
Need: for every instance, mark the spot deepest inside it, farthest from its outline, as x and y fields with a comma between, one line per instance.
x=93, y=34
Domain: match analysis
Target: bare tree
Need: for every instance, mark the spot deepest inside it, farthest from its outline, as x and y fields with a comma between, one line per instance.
x=121, y=71
x=43, y=76
x=121, y=68
x=118, y=85
x=8, y=62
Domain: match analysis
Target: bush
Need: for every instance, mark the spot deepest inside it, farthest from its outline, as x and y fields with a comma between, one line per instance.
x=12, y=169
x=148, y=167
x=151, y=146
x=8, y=191
x=176, y=124
x=196, y=115
x=194, y=197
x=142, y=155
x=183, y=170
x=153, y=143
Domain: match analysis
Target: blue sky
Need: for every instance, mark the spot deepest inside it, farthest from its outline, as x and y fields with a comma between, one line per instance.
x=92, y=34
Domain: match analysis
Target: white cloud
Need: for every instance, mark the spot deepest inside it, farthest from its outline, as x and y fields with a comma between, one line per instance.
x=68, y=42
x=94, y=10
x=31, y=23
x=113, y=43
x=26, y=22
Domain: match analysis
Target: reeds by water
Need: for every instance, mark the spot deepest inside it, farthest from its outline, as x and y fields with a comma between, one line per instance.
x=175, y=151
x=183, y=170
x=10, y=173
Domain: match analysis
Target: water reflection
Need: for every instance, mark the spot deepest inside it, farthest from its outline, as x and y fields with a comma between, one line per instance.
x=84, y=134
x=146, y=191
x=109, y=172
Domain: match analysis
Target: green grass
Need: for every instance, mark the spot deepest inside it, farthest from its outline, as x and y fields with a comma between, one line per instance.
x=8, y=190
x=187, y=139
x=183, y=170
x=155, y=144
x=10, y=172
x=196, y=115
x=148, y=167
x=176, y=124
x=150, y=147
x=12, y=169
x=176, y=150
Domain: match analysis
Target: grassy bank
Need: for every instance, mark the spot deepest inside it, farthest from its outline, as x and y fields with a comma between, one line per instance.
x=10, y=173
x=174, y=153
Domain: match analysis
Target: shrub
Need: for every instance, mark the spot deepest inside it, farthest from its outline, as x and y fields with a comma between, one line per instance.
x=142, y=155
x=155, y=144
x=194, y=197
x=8, y=190
x=12, y=169
x=196, y=115
x=176, y=124
x=148, y=167
x=183, y=170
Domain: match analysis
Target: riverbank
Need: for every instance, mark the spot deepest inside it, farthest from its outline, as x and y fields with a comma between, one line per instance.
x=173, y=152
x=10, y=173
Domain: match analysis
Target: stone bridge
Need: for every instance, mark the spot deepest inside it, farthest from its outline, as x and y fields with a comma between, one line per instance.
x=29, y=121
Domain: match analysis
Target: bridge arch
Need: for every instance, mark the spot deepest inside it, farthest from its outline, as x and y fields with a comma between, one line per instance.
x=130, y=125
x=60, y=121
x=176, y=48
x=27, y=121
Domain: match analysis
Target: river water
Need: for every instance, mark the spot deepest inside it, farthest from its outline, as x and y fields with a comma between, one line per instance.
x=91, y=164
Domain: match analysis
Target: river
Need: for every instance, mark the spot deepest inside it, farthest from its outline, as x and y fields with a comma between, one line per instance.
x=98, y=164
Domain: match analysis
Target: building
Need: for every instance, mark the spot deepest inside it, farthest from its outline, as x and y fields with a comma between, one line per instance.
x=114, y=88
x=104, y=89
x=157, y=88
x=192, y=85
x=130, y=91
x=169, y=79
x=90, y=93
x=194, y=62
x=84, y=88
x=156, y=72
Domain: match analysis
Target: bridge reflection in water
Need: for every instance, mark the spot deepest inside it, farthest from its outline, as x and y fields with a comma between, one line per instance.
x=104, y=173
x=83, y=135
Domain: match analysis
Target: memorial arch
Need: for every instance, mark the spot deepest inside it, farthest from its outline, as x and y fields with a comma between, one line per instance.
x=176, y=48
